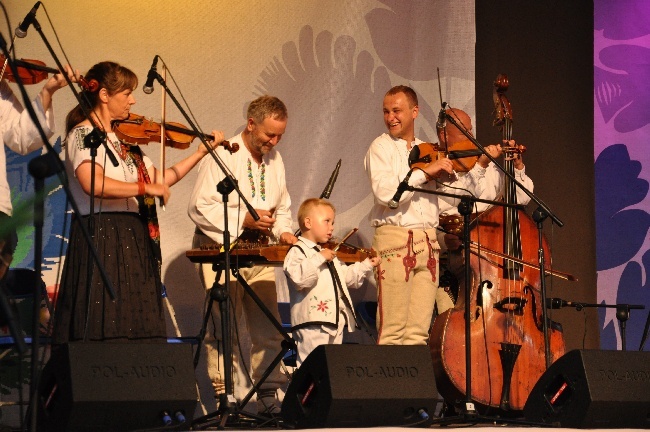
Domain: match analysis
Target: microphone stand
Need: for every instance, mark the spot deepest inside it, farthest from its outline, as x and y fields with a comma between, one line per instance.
x=227, y=403
x=62, y=178
x=92, y=141
x=328, y=188
x=622, y=314
x=469, y=413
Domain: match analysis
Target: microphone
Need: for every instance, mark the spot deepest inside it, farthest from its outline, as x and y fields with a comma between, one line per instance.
x=21, y=30
x=44, y=166
x=442, y=117
x=557, y=303
x=330, y=184
x=403, y=185
x=153, y=72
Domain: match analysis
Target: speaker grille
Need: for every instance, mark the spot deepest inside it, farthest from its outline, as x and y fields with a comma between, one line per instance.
x=105, y=386
x=361, y=385
x=593, y=389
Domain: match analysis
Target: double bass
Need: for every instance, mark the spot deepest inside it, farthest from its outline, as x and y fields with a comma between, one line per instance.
x=506, y=329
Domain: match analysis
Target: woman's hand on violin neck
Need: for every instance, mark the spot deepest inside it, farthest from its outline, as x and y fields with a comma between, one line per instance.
x=58, y=81
x=53, y=84
x=158, y=190
x=218, y=139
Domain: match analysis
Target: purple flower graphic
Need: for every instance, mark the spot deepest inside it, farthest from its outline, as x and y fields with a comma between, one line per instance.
x=622, y=20
x=627, y=94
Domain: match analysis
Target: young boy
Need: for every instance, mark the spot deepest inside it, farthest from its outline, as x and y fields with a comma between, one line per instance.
x=318, y=282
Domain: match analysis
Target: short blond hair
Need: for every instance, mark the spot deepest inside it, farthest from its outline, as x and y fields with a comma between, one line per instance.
x=307, y=206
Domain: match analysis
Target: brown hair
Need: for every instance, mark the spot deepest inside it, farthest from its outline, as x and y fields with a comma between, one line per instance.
x=109, y=75
x=408, y=91
x=309, y=204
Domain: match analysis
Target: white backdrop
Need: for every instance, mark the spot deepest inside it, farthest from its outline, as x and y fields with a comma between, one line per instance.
x=331, y=62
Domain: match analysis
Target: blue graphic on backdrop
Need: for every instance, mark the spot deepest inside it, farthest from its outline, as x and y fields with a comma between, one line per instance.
x=22, y=191
x=631, y=291
x=620, y=231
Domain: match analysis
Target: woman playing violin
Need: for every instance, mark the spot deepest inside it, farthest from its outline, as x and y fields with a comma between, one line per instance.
x=125, y=226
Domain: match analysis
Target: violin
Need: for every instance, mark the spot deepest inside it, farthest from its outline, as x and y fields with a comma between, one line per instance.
x=137, y=130
x=463, y=154
x=348, y=250
x=29, y=71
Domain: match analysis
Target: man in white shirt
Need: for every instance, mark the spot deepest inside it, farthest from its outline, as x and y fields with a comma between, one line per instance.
x=259, y=171
x=405, y=236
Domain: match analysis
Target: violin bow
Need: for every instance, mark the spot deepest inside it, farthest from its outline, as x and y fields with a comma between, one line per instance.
x=347, y=236
x=476, y=249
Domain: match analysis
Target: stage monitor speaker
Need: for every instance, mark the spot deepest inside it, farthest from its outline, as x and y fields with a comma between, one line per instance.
x=362, y=386
x=117, y=386
x=593, y=389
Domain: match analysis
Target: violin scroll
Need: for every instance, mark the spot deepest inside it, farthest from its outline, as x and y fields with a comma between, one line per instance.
x=90, y=86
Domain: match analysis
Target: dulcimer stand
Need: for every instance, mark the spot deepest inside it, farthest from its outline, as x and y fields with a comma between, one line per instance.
x=227, y=404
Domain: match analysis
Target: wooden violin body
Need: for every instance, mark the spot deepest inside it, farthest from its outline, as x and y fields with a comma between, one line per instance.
x=463, y=156
x=137, y=130
x=29, y=71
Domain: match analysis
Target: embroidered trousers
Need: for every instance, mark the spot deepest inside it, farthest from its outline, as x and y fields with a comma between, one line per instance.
x=407, y=285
